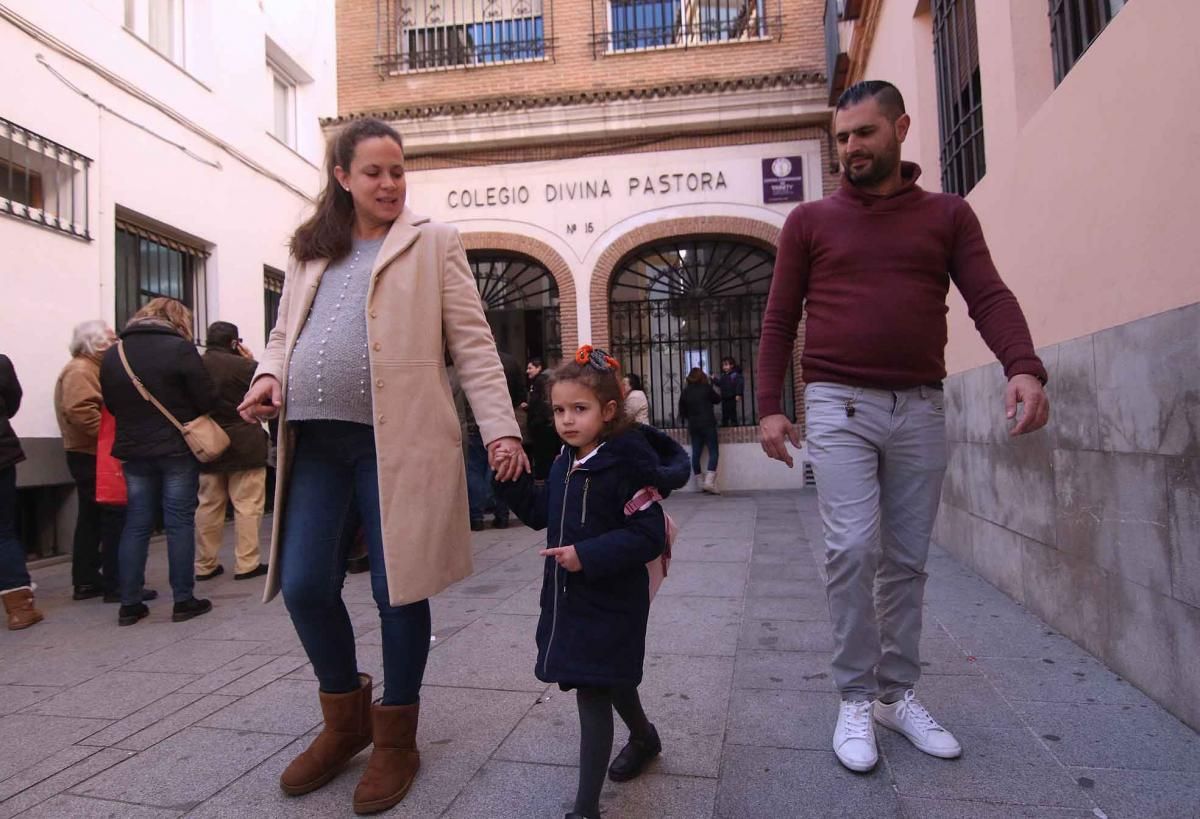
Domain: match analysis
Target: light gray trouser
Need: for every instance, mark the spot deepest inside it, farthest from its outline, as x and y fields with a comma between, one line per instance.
x=879, y=479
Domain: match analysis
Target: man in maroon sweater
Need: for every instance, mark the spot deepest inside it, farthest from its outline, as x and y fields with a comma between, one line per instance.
x=873, y=264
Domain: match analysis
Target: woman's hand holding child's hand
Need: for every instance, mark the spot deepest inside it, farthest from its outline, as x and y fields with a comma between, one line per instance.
x=564, y=556
x=507, y=459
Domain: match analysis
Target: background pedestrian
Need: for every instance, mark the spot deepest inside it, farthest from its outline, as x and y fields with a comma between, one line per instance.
x=637, y=406
x=240, y=475
x=731, y=384
x=161, y=472
x=78, y=404
x=696, y=413
x=16, y=588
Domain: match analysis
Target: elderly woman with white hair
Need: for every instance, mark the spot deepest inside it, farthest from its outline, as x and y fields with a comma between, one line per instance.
x=77, y=402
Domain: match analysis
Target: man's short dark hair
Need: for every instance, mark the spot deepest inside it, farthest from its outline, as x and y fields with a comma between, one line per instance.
x=221, y=334
x=891, y=102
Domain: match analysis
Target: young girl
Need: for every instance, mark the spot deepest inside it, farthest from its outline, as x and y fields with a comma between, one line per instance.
x=591, y=636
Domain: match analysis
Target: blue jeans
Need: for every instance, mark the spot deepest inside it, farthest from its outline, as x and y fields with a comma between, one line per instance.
x=334, y=465
x=172, y=483
x=479, y=481
x=13, y=574
x=702, y=438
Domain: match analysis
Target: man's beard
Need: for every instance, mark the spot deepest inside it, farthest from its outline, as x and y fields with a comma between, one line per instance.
x=878, y=169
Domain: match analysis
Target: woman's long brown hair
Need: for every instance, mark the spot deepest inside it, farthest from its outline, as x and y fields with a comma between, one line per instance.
x=327, y=233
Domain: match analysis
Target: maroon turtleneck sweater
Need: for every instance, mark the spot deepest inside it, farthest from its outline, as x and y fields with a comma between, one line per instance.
x=873, y=273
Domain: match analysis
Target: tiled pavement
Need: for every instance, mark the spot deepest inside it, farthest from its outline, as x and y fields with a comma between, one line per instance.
x=198, y=719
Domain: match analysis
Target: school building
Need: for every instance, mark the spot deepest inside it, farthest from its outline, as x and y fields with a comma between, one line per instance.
x=619, y=170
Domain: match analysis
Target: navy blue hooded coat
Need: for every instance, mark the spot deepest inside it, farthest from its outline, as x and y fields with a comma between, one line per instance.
x=592, y=630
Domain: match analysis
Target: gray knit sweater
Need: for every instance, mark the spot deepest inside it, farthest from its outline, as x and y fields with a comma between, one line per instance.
x=329, y=374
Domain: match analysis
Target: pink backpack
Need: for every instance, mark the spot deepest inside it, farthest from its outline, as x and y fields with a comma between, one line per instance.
x=657, y=567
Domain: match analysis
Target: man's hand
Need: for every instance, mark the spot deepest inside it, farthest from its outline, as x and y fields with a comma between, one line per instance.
x=564, y=556
x=507, y=458
x=775, y=431
x=1026, y=390
x=263, y=400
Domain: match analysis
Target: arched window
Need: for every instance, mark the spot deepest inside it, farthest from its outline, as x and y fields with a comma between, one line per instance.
x=520, y=297
x=690, y=302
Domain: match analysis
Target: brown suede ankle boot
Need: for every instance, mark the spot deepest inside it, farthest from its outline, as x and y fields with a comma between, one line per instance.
x=347, y=731
x=18, y=604
x=394, y=761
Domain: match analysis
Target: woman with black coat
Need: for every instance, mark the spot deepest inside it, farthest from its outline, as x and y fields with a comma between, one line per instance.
x=696, y=413
x=160, y=469
x=16, y=588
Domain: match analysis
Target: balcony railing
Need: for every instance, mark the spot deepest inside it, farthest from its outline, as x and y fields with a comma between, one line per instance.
x=648, y=25
x=439, y=35
x=43, y=182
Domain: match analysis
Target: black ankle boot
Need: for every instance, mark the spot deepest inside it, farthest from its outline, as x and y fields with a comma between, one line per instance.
x=634, y=756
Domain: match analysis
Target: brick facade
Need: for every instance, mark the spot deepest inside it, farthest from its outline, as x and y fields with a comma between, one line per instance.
x=545, y=151
x=577, y=73
x=795, y=42
x=546, y=255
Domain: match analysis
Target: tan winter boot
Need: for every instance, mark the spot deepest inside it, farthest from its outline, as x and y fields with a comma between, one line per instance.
x=394, y=761
x=710, y=483
x=18, y=604
x=347, y=731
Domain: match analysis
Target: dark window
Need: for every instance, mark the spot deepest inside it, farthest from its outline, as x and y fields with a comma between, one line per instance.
x=272, y=290
x=960, y=105
x=520, y=298
x=440, y=34
x=151, y=265
x=1074, y=25
x=43, y=182
x=690, y=302
x=636, y=25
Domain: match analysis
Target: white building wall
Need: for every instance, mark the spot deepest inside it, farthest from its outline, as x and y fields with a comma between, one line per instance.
x=188, y=147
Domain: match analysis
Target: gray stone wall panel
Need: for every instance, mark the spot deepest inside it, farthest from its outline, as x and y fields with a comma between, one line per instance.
x=1075, y=415
x=1112, y=510
x=1148, y=384
x=1068, y=592
x=1183, y=500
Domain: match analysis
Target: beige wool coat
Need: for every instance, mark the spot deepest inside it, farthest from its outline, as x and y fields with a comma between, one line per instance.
x=422, y=300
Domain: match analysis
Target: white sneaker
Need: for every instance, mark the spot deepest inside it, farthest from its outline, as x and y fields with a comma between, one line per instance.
x=854, y=736
x=697, y=483
x=710, y=483
x=908, y=717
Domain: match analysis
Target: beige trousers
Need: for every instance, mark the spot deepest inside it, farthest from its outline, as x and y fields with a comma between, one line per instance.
x=247, y=490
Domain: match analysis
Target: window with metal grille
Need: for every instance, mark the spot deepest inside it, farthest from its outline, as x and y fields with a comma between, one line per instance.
x=430, y=35
x=690, y=302
x=272, y=291
x=960, y=104
x=1074, y=25
x=639, y=25
x=520, y=298
x=43, y=182
x=150, y=265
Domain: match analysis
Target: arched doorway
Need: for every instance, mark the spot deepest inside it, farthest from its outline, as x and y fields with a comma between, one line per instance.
x=520, y=297
x=689, y=302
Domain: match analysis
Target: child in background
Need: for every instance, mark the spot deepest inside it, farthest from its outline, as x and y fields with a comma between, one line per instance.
x=595, y=600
